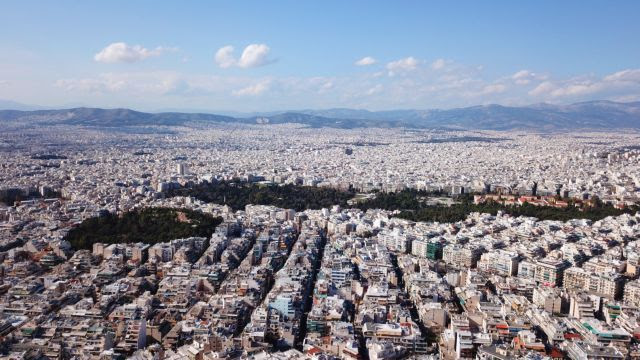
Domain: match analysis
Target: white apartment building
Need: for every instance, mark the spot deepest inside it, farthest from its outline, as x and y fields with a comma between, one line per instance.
x=464, y=257
x=632, y=293
x=500, y=262
x=608, y=285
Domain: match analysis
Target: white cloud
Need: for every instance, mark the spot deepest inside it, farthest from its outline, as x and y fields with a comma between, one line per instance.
x=583, y=88
x=254, y=90
x=253, y=55
x=438, y=64
x=525, y=77
x=121, y=52
x=407, y=64
x=629, y=75
x=375, y=90
x=522, y=77
x=494, y=89
x=621, y=84
x=224, y=57
x=543, y=88
x=458, y=85
x=128, y=83
x=104, y=83
x=325, y=86
x=365, y=61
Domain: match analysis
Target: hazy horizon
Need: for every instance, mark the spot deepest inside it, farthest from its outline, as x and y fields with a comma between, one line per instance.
x=6, y=105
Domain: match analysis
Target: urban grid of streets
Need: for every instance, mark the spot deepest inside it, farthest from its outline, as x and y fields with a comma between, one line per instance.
x=275, y=283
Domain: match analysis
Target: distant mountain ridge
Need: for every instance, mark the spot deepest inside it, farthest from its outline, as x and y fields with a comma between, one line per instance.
x=13, y=105
x=545, y=117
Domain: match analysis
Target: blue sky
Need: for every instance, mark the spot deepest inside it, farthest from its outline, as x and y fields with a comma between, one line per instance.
x=272, y=55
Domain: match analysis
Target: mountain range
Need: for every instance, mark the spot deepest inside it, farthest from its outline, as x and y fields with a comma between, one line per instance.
x=598, y=115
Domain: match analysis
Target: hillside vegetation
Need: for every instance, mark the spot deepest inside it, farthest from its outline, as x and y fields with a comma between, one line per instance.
x=149, y=226
x=410, y=203
x=238, y=195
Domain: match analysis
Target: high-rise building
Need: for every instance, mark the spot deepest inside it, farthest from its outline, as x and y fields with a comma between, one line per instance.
x=434, y=250
x=182, y=169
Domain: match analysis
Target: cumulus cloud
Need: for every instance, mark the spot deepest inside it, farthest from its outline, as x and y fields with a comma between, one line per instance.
x=253, y=55
x=253, y=90
x=407, y=64
x=365, y=61
x=121, y=52
x=525, y=77
x=522, y=77
x=224, y=57
x=457, y=85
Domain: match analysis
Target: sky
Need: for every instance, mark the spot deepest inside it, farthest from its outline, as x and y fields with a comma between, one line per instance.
x=275, y=55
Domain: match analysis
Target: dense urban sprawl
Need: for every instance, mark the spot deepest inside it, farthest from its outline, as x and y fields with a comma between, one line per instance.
x=335, y=282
